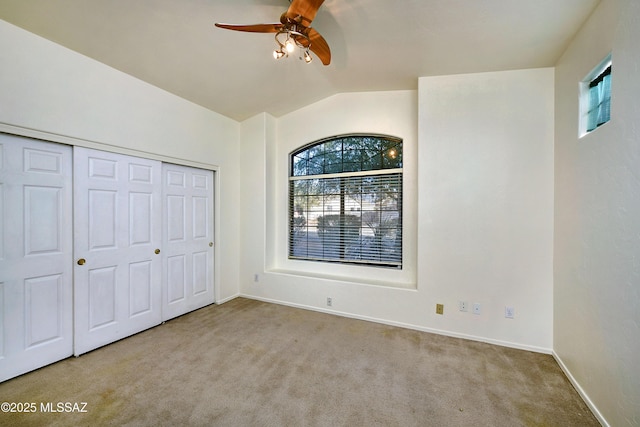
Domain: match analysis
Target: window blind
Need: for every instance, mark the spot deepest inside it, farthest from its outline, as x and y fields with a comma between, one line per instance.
x=599, y=100
x=346, y=218
x=345, y=200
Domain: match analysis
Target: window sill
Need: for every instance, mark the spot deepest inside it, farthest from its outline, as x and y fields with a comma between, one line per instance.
x=397, y=284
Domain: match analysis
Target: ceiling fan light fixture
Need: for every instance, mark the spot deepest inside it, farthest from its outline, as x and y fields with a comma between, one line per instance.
x=293, y=32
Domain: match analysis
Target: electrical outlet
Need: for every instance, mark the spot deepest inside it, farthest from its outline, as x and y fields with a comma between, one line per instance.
x=439, y=308
x=463, y=305
x=508, y=312
x=476, y=308
x=329, y=302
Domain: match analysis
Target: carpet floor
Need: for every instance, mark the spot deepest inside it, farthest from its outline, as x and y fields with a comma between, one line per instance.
x=250, y=363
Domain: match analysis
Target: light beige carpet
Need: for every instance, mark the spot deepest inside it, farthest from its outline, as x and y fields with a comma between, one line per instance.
x=249, y=363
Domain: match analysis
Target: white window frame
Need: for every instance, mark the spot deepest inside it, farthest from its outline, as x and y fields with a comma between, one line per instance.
x=584, y=95
x=355, y=174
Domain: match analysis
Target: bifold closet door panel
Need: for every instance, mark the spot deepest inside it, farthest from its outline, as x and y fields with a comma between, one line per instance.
x=188, y=239
x=117, y=241
x=36, y=291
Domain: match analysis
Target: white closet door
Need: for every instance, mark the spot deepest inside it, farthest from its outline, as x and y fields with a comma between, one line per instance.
x=35, y=254
x=118, y=265
x=188, y=239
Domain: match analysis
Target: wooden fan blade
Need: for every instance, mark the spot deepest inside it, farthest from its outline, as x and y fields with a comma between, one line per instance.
x=257, y=28
x=319, y=46
x=303, y=11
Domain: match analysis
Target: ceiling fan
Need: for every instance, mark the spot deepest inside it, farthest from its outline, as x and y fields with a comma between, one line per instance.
x=293, y=31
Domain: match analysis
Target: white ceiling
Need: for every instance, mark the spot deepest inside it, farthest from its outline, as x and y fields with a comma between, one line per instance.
x=375, y=44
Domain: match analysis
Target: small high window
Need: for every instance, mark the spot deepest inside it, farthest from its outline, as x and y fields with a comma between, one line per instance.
x=596, y=98
x=345, y=201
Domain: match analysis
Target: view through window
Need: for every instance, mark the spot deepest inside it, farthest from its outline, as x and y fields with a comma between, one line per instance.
x=345, y=201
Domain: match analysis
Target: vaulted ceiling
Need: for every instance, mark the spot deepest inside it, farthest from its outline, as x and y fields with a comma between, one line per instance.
x=375, y=44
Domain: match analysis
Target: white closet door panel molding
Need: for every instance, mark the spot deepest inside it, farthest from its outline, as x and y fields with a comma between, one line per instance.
x=36, y=290
x=188, y=239
x=117, y=241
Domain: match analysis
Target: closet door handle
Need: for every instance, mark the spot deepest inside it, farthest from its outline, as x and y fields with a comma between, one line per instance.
x=210, y=244
x=81, y=261
x=157, y=251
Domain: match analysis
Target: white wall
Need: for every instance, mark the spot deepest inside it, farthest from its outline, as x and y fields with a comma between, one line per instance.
x=50, y=92
x=266, y=143
x=391, y=113
x=479, y=198
x=486, y=200
x=257, y=132
x=597, y=220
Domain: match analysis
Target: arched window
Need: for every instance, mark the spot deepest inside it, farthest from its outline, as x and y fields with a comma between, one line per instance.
x=345, y=200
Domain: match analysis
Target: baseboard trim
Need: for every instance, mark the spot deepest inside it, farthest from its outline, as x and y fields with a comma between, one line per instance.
x=585, y=397
x=404, y=325
x=227, y=299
